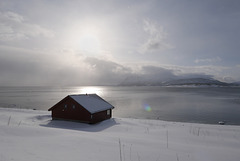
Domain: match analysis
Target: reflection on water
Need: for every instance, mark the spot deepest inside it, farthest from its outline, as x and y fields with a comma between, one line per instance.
x=188, y=104
x=90, y=90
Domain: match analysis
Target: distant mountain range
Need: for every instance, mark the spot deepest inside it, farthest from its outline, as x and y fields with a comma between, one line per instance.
x=195, y=81
x=179, y=82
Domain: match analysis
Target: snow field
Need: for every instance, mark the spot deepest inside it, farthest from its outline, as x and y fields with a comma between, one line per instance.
x=32, y=135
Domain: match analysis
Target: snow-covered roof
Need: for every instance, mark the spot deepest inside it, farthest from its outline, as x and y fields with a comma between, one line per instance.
x=92, y=102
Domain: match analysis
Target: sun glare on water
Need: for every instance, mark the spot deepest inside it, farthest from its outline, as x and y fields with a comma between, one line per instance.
x=91, y=90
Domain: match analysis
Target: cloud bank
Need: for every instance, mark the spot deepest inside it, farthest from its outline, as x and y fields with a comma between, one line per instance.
x=36, y=68
x=208, y=60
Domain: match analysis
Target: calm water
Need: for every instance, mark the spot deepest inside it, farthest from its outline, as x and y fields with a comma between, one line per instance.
x=185, y=104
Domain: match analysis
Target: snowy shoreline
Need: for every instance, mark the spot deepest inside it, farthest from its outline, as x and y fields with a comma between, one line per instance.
x=32, y=135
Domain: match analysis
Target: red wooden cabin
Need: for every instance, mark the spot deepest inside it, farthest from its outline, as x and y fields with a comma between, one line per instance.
x=89, y=108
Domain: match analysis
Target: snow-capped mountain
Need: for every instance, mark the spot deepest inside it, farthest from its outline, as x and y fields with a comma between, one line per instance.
x=177, y=82
x=195, y=81
x=236, y=83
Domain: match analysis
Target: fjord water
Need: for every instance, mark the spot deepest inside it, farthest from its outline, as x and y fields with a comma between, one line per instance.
x=185, y=104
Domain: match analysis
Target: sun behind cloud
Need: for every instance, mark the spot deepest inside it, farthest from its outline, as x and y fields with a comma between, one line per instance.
x=89, y=42
x=86, y=38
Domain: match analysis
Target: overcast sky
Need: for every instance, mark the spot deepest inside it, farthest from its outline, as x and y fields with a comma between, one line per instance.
x=104, y=42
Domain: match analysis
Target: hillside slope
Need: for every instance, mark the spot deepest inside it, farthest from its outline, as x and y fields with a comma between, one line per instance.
x=31, y=135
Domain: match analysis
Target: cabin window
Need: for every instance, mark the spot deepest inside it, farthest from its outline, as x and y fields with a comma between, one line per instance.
x=73, y=107
x=108, y=112
x=65, y=107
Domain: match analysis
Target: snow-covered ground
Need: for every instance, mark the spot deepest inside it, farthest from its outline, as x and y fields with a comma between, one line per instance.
x=28, y=135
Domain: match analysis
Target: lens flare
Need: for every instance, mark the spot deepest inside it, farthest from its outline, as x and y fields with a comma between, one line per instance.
x=147, y=108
